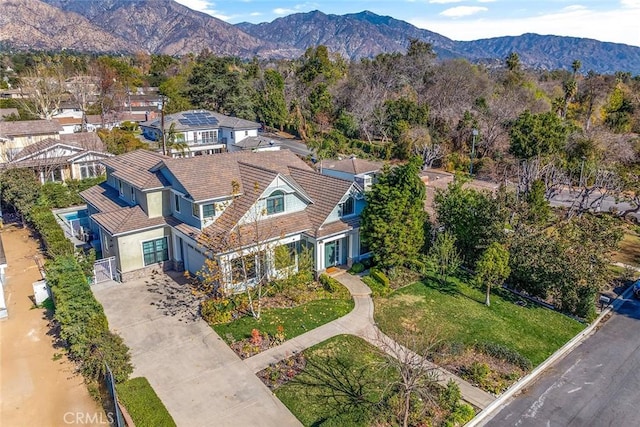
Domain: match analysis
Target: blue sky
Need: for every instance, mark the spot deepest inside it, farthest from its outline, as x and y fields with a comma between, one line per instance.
x=606, y=20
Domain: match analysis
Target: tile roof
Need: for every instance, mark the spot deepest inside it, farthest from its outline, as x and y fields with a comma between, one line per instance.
x=257, y=142
x=135, y=168
x=326, y=191
x=84, y=141
x=29, y=127
x=215, y=173
x=103, y=197
x=353, y=165
x=125, y=220
x=338, y=226
x=222, y=121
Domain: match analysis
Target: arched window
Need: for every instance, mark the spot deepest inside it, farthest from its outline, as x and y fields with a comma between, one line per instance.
x=275, y=202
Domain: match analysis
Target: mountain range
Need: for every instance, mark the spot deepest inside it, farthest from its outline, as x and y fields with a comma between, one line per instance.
x=167, y=27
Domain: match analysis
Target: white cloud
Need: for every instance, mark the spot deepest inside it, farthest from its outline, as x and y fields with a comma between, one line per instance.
x=255, y=14
x=444, y=1
x=617, y=25
x=458, y=11
x=204, y=6
x=633, y=4
x=283, y=11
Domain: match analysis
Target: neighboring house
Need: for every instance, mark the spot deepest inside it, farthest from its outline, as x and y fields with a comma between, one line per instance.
x=15, y=136
x=72, y=156
x=364, y=172
x=201, y=132
x=3, y=266
x=159, y=212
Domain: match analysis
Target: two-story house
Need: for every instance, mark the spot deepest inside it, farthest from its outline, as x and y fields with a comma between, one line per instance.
x=362, y=171
x=173, y=213
x=200, y=132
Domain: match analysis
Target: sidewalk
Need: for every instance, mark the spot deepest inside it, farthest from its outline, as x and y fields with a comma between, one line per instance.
x=360, y=322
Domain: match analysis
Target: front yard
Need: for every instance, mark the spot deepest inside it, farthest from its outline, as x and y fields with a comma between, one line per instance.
x=289, y=311
x=474, y=334
x=345, y=381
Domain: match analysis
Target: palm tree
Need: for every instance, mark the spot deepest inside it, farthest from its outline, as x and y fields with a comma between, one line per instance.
x=172, y=142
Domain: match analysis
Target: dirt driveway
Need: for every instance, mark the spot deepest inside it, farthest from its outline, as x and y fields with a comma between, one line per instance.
x=35, y=389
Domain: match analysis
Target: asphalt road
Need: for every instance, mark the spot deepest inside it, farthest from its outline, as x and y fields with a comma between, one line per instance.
x=597, y=384
x=565, y=198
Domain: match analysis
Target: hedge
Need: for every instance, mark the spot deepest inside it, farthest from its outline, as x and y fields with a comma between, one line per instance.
x=52, y=236
x=83, y=324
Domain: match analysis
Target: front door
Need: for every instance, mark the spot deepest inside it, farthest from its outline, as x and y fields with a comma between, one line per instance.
x=331, y=251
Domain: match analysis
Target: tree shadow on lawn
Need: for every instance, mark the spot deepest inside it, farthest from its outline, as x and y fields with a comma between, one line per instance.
x=449, y=288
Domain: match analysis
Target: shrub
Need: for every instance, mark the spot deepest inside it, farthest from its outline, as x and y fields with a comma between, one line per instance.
x=356, y=268
x=143, y=404
x=52, y=235
x=449, y=396
x=83, y=324
x=216, y=310
x=460, y=416
x=504, y=353
x=478, y=373
x=377, y=289
x=329, y=284
x=380, y=277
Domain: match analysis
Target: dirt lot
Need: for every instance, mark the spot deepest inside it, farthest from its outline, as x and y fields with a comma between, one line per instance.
x=35, y=389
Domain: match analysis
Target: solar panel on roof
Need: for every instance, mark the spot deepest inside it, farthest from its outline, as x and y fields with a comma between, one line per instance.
x=184, y=122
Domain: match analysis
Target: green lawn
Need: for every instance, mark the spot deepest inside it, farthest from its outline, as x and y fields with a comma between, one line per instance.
x=296, y=320
x=458, y=313
x=143, y=404
x=629, y=252
x=358, y=357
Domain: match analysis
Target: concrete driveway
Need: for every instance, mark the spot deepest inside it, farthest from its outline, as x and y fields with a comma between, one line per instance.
x=197, y=376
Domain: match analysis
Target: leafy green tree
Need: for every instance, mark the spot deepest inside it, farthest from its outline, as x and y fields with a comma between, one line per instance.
x=476, y=219
x=120, y=141
x=271, y=105
x=538, y=209
x=20, y=189
x=493, y=268
x=393, y=220
x=534, y=135
x=444, y=255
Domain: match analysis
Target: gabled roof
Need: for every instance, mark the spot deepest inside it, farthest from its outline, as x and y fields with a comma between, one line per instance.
x=75, y=141
x=210, y=177
x=326, y=191
x=251, y=142
x=185, y=120
x=135, y=168
x=29, y=127
x=353, y=165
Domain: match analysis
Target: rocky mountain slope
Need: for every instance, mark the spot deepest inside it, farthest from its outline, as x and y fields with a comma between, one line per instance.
x=164, y=26
x=32, y=24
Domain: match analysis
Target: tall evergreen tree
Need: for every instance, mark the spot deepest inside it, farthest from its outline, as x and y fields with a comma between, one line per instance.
x=393, y=222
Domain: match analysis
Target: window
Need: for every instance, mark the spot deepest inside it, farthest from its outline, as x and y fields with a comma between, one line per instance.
x=155, y=251
x=246, y=133
x=275, y=202
x=348, y=207
x=54, y=175
x=90, y=170
x=120, y=188
x=195, y=210
x=209, y=137
x=209, y=211
x=133, y=194
x=176, y=203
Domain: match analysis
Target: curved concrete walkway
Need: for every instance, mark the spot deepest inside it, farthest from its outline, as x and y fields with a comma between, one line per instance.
x=360, y=322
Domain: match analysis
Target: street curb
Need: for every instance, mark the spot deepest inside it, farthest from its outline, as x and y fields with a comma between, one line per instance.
x=487, y=413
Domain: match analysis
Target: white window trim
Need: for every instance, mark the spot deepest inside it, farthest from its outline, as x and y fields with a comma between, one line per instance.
x=142, y=242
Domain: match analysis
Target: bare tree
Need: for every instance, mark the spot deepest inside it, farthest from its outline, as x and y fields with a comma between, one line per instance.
x=422, y=145
x=596, y=186
x=83, y=89
x=43, y=90
x=408, y=355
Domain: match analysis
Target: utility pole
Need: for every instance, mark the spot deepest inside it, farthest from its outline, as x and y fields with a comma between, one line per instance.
x=473, y=150
x=164, y=138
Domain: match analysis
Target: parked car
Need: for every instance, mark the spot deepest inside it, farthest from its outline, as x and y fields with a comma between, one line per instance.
x=636, y=289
